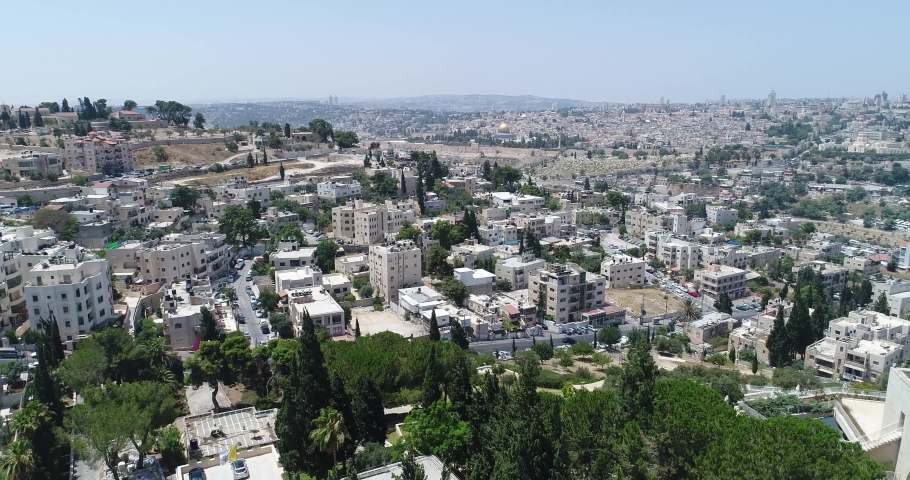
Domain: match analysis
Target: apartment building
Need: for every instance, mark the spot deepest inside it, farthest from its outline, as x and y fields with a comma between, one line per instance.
x=29, y=162
x=181, y=313
x=501, y=232
x=95, y=153
x=393, y=266
x=567, y=291
x=719, y=279
x=861, y=265
x=368, y=224
x=243, y=192
x=862, y=346
x=168, y=263
x=517, y=203
x=338, y=188
x=675, y=252
x=14, y=242
x=609, y=315
x=319, y=305
x=518, y=270
x=775, y=230
x=477, y=282
x=623, y=271
x=289, y=256
x=721, y=216
x=300, y=277
x=739, y=256
x=73, y=289
x=470, y=252
x=833, y=276
x=715, y=324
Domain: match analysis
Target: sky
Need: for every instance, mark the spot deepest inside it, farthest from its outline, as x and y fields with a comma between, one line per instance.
x=633, y=51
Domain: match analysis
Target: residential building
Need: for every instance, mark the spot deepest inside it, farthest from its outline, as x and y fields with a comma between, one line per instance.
x=477, y=282
x=20, y=247
x=337, y=284
x=301, y=277
x=567, y=291
x=862, y=346
x=393, y=266
x=368, y=224
x=338, y=187
x=609, y=315
x=501, y=232
x=721, y=216
x=739, y=256
x=623, y=271
x=181, y=314
x=833, y=276
x=517, y=270
x=29, y=163
x=896, y=411
x=289, y=256
x=94, y=153
x=715, y=324
x=517, y=203
x=470, y=251
x=321, y=307
x=415, y=300
x=678, y=254
x=719, y=279
x=861, y=265
x=73, y=289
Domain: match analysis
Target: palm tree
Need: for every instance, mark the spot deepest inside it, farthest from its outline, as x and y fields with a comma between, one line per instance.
x=17, y=461
x=689, y=311
x=30, y=419
x=330, y=433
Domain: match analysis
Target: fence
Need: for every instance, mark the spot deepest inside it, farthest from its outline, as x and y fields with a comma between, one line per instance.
x=751, y=411
x=843, y=390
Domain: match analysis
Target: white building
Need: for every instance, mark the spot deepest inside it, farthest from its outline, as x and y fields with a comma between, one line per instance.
x=567, y=292
x=719, y=279
x=300, y=277
x=337, y=188
x=368, y=224
x=290, y=256
x=862, y=346
x=517, y=270
x=477, y=282
x=675, y=252
x=319, y=304
x=75, y=290
x=623, y=271
x=720, y=215
x=98, y=154
x=517, y=203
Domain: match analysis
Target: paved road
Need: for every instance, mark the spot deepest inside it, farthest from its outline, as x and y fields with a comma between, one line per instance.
x=245, y=309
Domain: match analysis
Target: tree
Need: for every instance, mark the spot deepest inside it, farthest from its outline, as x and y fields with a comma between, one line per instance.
x=229, y=294
x=881, y=304
x=864, y=293
x=609, y=336
x=784, y=291
x=583, y=349
x=207, y=366
x=410, y=469
x=321, y=128
x=238, y=222
x=329, y=433
x=778, y=344
x=601, y=360
x=129, y=105
x=431, y=381
x=63, y=224
x=458, y=384
x=732, y=354
x=287, y=130
x=18, y=461
x=367, y=410
x=636, y=391
x=544, y=351
x=724, y=304
x=249, y=160
x=357, y=328
x=436, y=264
x=38, y=122
x=255, y=207
x=458, y=334
x=455, y=290
x=325, y=255
x=434, y=327
x=209, y=326
x=345, y=139
x=754, y=364
x=281, y=171
x=185, y=197
x=268, y=300
x=688, y=312
x=892, y=265
x=159, y=153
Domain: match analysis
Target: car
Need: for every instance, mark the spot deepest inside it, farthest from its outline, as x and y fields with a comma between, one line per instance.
x=264, y=329
x=273, y=336
x=569, y=341
x=261, y=314
x=197, y=474
x=249, y=277
x=240, y=469
x=263, y=343
x=263, y=322
x=254, y=305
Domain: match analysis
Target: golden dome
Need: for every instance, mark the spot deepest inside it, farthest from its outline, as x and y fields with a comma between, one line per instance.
x=504, y=128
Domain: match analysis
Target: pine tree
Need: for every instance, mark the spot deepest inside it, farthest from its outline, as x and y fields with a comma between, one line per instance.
x=799, y=327
x=209, y=325
x=357, y=328
x=459, y=336
x=784, y=291
x=754, y=364
x=458, y=388
x=434, y=328
x=881, y=304
x=404, y=186
x=65, y=106
x=281, y=170
x=846, y=297
x=431, y=381
x=778, y=348
x=732, y=355
x=287, y=130
x=369, y=413
x=38, y=121
x=410, y=469
x=341, y=401
x=249, y=160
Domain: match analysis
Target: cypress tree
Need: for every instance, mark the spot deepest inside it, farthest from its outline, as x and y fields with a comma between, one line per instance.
x=881, y=304
x=287, y=130
x=459, y=387
x=341, y=401
x=44, y=386
x=281, y=170
x=799, y=327
x=404, y=186
x=431, y=381
x=732, y=355
x=754, y=364
x=778, y=349
x=357, y=328
x=369, y=413
x=513, y=347
x=65, y=106
x=434, y=328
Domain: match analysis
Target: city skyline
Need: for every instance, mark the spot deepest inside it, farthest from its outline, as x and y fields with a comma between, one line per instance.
x=201, y=53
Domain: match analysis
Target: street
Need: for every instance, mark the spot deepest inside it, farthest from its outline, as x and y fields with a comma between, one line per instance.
x=244, y=307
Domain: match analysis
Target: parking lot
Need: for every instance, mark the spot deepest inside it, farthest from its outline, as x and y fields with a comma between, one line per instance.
x=373, y=322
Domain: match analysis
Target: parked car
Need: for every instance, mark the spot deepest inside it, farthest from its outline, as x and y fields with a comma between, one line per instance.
x=249, y=277
x=264, y=329
x=240, y=469
x=197, y=474
x=569, y=341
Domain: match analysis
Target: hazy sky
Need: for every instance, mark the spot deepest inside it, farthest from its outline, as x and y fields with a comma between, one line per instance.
x=631, y=51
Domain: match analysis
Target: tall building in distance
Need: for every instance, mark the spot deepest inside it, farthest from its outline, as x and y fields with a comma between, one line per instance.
x=336, y=100
x=772, y=100
x=723, y=99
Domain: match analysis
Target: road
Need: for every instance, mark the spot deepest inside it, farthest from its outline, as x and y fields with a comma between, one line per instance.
x=245, y=309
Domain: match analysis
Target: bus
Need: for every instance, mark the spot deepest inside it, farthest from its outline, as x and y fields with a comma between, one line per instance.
x=10, y=354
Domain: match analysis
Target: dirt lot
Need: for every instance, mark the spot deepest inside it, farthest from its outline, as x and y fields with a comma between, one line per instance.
x=867, y=235
x=182, y=155
x=317, y=167
x=656, y=301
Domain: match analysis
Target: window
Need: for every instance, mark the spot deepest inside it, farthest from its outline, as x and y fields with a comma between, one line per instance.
x=37, y=311
x=34, y=298
x=101, y=313
x=66, y=309
x=101, y=299
x=81, y=320
x=63, y=296
x=67, y=324
x=178, y=326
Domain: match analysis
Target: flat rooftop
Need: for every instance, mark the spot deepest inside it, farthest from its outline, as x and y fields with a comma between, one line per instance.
x=245, y=428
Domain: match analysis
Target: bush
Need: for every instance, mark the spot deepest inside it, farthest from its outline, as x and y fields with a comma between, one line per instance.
x=789, y=377
x=783, y=405
x=366, y=291
x=582, y=373
x=170, y=444
x=348, y=298
x=746, y=355
x=718, y=359
x=758, y=380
